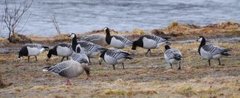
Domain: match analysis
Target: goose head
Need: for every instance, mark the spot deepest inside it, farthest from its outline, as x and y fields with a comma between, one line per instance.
x=200, y=39
x=73, y=35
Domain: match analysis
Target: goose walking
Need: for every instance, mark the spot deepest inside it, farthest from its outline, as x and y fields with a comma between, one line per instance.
x=114, y=57
x=149, y=42
x=172, y=55
x=61, y=49
x=210, y=51
x=116, y=41
x=31, y=50
x=68, y=69
x=91, y=49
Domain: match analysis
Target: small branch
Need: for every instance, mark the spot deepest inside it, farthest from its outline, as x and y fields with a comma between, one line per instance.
x=56, y=25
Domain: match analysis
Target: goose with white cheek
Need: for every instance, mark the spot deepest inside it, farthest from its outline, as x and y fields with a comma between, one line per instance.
x=149, y=42
x=210, y=51
x=31, y=50
x=90, y=49
x=64, y=50
x=116, y=41
x=172, y=55
x=68, y=69
x=113, y=57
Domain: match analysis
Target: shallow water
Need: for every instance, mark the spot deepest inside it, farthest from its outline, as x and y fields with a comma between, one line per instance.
x=122, y=15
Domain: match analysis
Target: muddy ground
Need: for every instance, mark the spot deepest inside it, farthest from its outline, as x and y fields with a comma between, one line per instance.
x=144, y=76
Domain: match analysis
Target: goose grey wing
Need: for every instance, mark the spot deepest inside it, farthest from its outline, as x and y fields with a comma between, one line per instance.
x=173, y=54
x=212, y=49
x=117, y=54
x=124, y=40
x=156, y=38
x=58, y=68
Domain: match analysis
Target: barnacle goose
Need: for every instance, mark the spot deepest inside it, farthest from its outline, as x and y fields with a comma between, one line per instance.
x=116, y=41
x=91, y=49
x=31, y=50
x=113, y=57
x=68, y=69
x=80, y=57
x=61, y=49
x=171, y=55
x=210, y=51
x=149, y=42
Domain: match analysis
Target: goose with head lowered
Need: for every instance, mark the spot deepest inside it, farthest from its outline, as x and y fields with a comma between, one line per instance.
x=116, y=41
x=31, y=50
x=68, y=69
x=91, y=49
x=62, y=49
x=172, y=55
x=114, y=56
x=209, y=51
x=149, y=42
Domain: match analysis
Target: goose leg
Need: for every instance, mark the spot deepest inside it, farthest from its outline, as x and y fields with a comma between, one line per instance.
x=62, y=58
x=68, y=82
x=149, y=50
x=123, y=65
x=89, y=60
x=36, y=58
x=171, y=66
x=219, y=61
x=28, y=58
x=209, y=62
x=113, y=67
x=179, y=65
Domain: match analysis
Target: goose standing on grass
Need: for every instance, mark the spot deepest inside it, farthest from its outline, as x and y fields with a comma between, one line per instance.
x=31, y=50
x=68, y=69
x=149, y=42
x=116, y=41
x=210, y=51
x=61, y=49
x=91, y=49
x=171, y=55
x=113, y=57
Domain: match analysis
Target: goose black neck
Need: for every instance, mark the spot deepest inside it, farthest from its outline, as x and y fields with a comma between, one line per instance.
x=167, y=47
x=203, y=42
x=108, y=36
x=74, y=40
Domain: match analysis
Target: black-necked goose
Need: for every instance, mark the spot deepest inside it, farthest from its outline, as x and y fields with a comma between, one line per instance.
x=61, y=49
x=31, y=50
x=91, y=49
x=113, y=57
x=210, y=51
x=116, y=41
x=171, y=55
x=149, y=42
x=68, y=69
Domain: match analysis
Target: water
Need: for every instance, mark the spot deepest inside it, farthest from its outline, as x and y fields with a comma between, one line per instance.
x=80, y=16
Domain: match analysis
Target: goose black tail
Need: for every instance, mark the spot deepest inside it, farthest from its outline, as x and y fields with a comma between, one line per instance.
x=225, y=52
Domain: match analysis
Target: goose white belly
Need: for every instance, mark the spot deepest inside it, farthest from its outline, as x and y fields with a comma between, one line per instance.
x=149, y=43
x=64, y=51
x=116, y=43
x=110, y=60
x=33, y=51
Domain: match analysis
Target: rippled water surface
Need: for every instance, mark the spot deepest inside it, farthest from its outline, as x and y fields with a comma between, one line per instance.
x=123, y=15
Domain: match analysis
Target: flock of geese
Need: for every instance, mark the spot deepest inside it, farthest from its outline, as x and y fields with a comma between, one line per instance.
x=81, y=52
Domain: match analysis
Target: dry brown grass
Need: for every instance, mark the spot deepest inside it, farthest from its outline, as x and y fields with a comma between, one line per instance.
x=143, y=76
